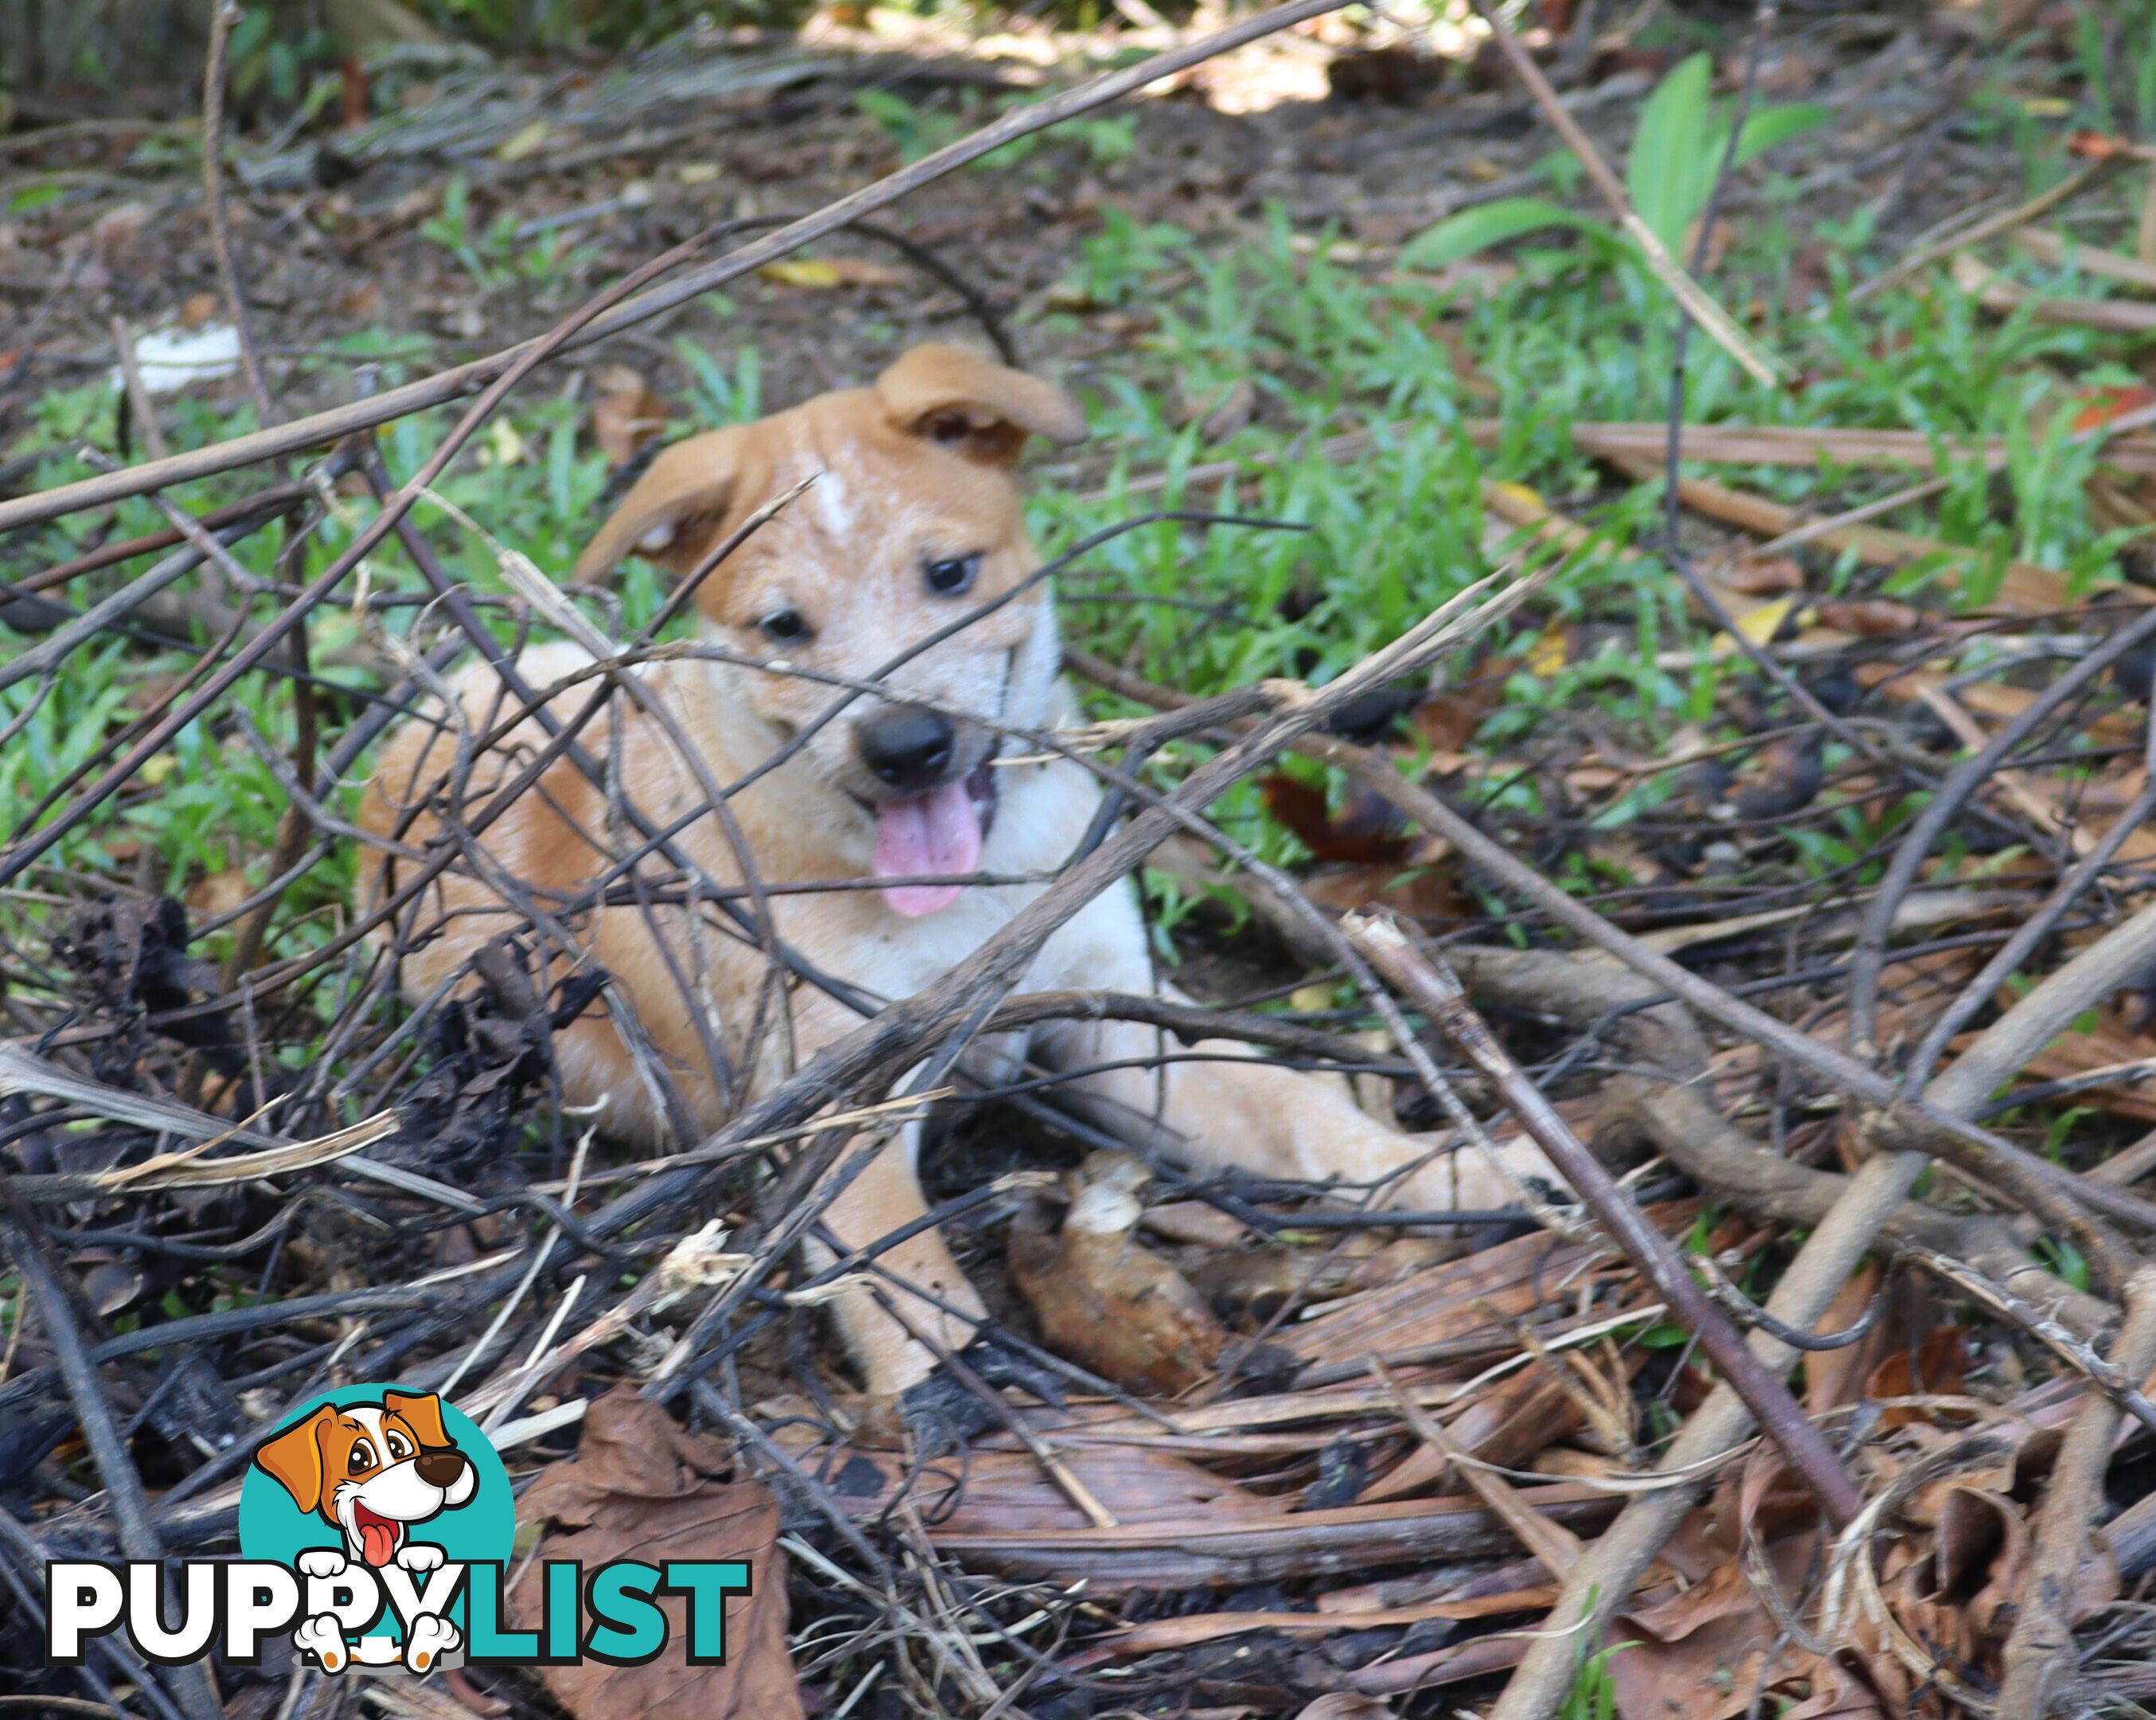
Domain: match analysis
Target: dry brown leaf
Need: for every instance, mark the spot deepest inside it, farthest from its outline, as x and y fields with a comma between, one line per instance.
x=1938, y=1366
x=1103, y=1299
x=625, y=414
x=640, y=1487
x=1837, y=1693
x=1477, y=1657
x=1365, y=829
x=1418, y=889
x=1997, y=701
x=1700, y=1655
x=1220, y=412
x=1870, y=618
x=2109, y=1044
x=2104, y=404
x=1461, y=1299
x=1831, y=1376
x=1195, y=1222
x=1446, y=721
x=1757, y=576
x=1505, y=1423
x=213, y=897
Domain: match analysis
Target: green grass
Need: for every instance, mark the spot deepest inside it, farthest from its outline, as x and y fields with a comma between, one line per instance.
x=1575, y=331
x=1593, y=1693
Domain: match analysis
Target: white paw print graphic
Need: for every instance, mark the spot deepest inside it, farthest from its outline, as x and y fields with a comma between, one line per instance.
x=323, y=1637
x=430, y=1639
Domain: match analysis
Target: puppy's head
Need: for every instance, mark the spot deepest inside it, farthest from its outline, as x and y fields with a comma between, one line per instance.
x=912, y=520
x=371, y=1469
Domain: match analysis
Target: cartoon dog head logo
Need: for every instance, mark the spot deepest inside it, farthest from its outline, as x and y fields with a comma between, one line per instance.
x=376, y=1528
x=372, y=1471
x=383, y=1502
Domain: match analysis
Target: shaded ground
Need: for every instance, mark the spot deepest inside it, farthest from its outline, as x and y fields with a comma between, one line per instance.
x=377, y=253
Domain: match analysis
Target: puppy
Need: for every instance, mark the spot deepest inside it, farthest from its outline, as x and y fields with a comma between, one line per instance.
x=922, y=788
x=372, y=1471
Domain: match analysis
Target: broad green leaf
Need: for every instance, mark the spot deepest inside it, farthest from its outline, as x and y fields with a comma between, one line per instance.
x=1771, y=125
x=1668, y=172
x=1478, y=229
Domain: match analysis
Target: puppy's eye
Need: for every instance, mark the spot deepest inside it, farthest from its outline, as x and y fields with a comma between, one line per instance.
x=361, y=1459
x=399, y=1450
x=787, y=625
x=953, y=575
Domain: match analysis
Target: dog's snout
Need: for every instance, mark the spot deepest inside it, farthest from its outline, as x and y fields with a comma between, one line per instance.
x=440, y=1468
x=906, y=747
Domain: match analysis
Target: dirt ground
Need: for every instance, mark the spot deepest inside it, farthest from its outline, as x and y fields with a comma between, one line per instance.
x=1417, y=140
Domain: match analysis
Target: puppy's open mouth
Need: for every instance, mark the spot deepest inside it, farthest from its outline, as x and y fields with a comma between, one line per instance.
x=378, y=1535
x=938, y=834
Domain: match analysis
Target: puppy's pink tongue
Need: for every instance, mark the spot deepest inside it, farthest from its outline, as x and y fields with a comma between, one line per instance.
x=378, y=1542
x=938, y=832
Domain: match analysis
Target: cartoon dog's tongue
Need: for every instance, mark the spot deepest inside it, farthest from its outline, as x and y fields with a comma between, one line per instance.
x=938, y=832
x=377, y=1536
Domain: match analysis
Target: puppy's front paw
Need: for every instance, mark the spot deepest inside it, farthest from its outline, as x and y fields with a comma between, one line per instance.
x=430, y=1640
x=418, y=1556
x=322, y=1562
x=322, y=1637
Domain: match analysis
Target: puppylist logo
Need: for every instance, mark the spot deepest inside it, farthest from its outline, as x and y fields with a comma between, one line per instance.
x=377, y=1528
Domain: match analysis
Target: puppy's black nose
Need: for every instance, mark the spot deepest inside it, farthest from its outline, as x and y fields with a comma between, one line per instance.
x=440, y=1468
x=906, y=747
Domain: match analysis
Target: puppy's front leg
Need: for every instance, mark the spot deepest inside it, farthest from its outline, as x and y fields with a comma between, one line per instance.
x=884, y=1197
x=1222, y=1106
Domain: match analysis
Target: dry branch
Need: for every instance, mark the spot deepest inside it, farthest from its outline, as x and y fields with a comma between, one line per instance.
x=1439, y=992
x=2039, y=1661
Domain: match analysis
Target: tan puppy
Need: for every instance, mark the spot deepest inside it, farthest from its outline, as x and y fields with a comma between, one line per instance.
x=913, y=519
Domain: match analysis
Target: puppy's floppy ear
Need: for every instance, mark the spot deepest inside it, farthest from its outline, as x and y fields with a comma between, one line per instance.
x=984, y=409
x=293, y=1459
x=666, y=517
x=424, y=1413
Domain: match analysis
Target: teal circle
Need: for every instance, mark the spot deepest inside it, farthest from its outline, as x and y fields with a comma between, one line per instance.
x=273, y=1528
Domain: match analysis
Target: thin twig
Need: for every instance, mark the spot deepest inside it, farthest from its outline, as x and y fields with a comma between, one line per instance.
x=137, y=1529
x=224, y=15
x=2080, y=1357
x=2020, y=215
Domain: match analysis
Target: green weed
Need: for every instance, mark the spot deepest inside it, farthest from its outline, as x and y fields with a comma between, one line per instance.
x=1593, y=1693
x=1678, y=149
